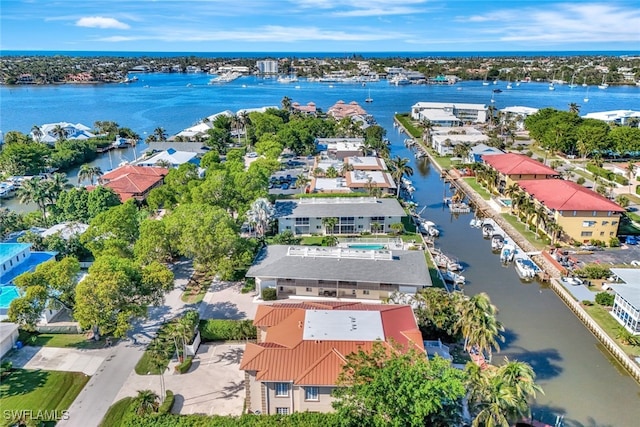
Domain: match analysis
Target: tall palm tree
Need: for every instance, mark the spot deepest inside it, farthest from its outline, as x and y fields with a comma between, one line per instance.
x=631, y=172
x=163, y=163
x=59, y=132
x=541, y=216
x=56, y=184
x=286, y=103
x=160, y=134
x=89, y=173
x=329, y=224
x=399, y=168
x=574, y=108
x=35, y=190
x=261, y=213
x=478, y=323
x=302, y=181
x=147, y=402
x=37, y=133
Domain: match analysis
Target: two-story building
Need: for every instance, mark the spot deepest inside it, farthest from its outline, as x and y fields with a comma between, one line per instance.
x=582, y=213
x=513, y=167
x=626, y=305
x=464, y=112
x=354, y=215
x=302, y=348
x=352, y=272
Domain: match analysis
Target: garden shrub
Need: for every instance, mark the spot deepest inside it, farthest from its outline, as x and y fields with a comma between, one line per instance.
x=165, y=407
x=269, y=294
x=594, y=271
x=614, y=242
x=587, y=303
x=225, y=330
x=605, y=298
x=580, y=180
x=185, y=365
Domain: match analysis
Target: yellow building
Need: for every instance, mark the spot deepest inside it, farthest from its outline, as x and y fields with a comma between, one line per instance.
x=583, y=214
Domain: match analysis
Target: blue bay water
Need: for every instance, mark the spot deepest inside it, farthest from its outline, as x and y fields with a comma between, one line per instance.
x=580, y=381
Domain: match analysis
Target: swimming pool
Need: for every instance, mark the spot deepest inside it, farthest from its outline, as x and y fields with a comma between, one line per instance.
x=367, y=246
x=8, y=294
x=506, y=202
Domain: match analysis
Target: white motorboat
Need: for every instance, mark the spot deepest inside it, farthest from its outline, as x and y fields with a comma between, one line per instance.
x=487, y=230
x=455, y=278
x=287, y=79
x=507, y=253
x=475, y=223
x=497, y=242
x=428, y=227
x=526, y=269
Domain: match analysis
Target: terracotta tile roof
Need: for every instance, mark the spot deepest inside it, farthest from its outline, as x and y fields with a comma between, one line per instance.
x=564, y=195
x=287, y=356
x=517, y=164
x=133, y=181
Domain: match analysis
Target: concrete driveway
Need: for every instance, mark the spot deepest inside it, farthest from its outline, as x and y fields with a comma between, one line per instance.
x=213, y=386
x=59, y=359
x=223, y=300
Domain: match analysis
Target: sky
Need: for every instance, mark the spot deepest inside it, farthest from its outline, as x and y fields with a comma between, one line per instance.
x=349, y=26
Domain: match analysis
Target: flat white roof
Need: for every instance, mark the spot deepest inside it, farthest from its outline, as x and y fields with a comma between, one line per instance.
x=331, y=184
x=460, y=138
x=363, y=162
x=343, y=325
x=516, y=109
x=377, y=177
x=439, y=115
x=456, y=105
x=630, y=276
x=612, y=115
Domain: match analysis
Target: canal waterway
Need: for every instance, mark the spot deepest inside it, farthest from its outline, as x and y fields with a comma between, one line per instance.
x=580, y=379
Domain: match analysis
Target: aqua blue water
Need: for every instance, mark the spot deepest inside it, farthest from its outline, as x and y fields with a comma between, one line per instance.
x=376, y=247
x=506, y=202
x=7, y=294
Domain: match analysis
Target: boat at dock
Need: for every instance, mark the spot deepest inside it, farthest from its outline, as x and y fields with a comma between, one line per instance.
x=497, y=242
x=226, y=77
x=487, y=230
x=453, y=277
x=507, y=253
x=526, y=268
x=430, y=228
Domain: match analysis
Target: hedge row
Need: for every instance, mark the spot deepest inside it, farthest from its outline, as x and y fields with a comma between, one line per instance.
x=607, y=174
x=165, y=407
x=306, y=419
x=185, y=365
x=227, y=330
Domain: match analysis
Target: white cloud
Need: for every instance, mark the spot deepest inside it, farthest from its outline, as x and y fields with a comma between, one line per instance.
x=101, y=22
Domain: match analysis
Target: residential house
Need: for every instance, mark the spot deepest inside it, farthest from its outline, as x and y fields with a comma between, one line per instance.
x=626, y=305
x=582, y=213
x=618, y=117
x=339, y=148
x=478, y=151
x=473, y=113
x=351, y=272
x=133, y=182
x=354, y=214
x=48, y=132
x=517, y=115
x=309, y=109
x=170, y=158
x=302, y=348
x=513, y=167
x=444, y=139
x=340, y=110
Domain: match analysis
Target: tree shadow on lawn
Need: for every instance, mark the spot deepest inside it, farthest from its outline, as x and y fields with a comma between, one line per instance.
x=223, y=310
x=22, y=381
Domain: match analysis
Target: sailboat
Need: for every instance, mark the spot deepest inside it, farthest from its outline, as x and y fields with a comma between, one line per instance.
x=604, y=84
x=509, y=83
x=572, y=84
x=584, y=83
x=369, y=98
x=485, y=82
x=586, y=96
x=551, y=86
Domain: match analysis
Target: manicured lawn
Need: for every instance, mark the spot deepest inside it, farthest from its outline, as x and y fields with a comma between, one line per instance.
x=113, y=417
x=408, y=125
x=478, y=188
x=528, y=234
x=196, y=289
x=145, y=365
x=433, y=271
x=312, y=241
x=38, y=390
x=61, y=340
x=609, y=324
x=409, y=225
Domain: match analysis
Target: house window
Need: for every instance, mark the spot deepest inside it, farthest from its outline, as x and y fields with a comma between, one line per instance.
x=282, y=390
x=602, y=233
x=282, y=411
x=365, y=292
x=614, y=222
x=311, y=393
x=308, y=289
x=302, y=221
x=605, y=222
x=586, y=234
x=588, y=223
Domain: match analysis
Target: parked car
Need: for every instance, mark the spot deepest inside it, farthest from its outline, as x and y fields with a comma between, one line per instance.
x=285, y=186
x=631, y=240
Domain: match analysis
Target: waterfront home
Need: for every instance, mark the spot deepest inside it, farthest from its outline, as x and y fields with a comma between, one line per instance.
x=512, y=168
x=66, y=230
x=366, y=163
x=473, y=113
x=618, y=117
x=626, y=305
x=354, y=215
x=309, y=109
x=339, y=148
x=133, y=182
x=16, y=259
x=356, y=180
x=51, y=133
x=192, y=147
x=170, y=158
x=340, y=110
x=582, y=213
x=516, y=114
x=302, y=348
x=444, y=140
x=479, y=150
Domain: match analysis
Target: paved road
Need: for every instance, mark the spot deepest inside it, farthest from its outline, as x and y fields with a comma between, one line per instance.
x=99, y=393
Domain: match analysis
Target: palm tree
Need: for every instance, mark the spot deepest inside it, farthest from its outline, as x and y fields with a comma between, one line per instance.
x=478, y=324
x=261, y=213
x=59, y=132
x=541, y=216
x=56, y=184
x=329, y=224
x=574, y=108
x=286, y=103
x=35, y=191
x=163, y=163
x=302, y=181
x=160, y=134
x=89, y=173
x=37, y=133
x=631, y=172
x=147, y=402
x=399, y=168
x=521, y=377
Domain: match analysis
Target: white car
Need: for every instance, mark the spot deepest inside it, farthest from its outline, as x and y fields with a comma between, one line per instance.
x=252, y=155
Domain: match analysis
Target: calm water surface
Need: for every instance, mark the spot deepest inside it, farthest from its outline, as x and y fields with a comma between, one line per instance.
x=578, y=377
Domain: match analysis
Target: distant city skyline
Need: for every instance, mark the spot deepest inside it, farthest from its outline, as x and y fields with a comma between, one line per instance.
x=349, y=26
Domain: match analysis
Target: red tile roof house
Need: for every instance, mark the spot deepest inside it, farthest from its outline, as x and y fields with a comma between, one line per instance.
x=515, y=167
x=302, y=348
x=583, y=214
x=133, y=182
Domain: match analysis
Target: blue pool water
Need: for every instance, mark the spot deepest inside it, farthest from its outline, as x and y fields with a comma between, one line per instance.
x=506, y=202
x=364, y=246
x=7, y=294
